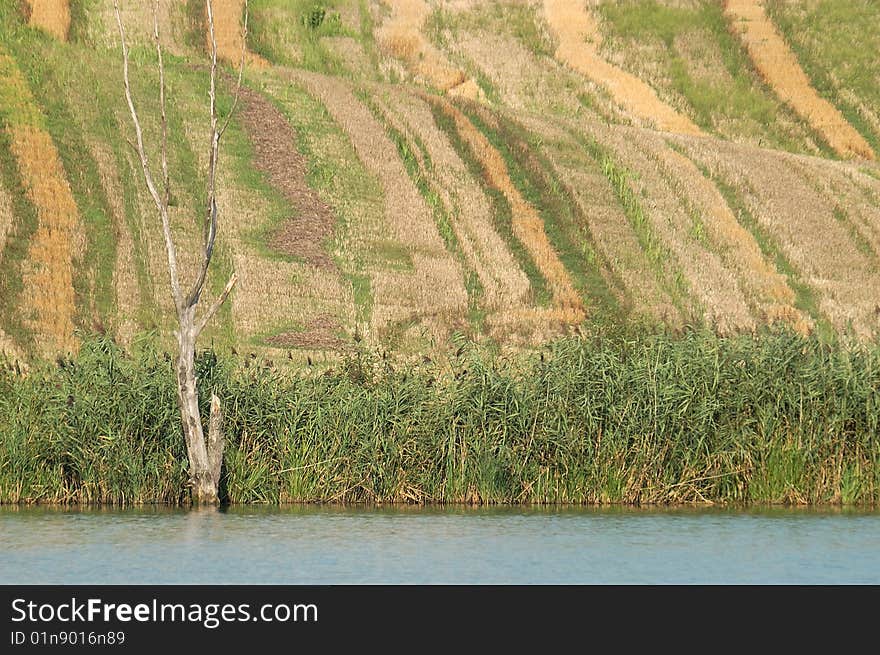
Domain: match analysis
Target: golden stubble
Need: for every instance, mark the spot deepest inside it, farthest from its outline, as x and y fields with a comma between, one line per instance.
x=228, y=34
x=526, y=224
x=401, y=37
x=613, y=234
x=579, y=38
x=48, y=274
x=505, y=285
x=663, y=195
x=800, y=218
x=778, y=65
x=53, y=16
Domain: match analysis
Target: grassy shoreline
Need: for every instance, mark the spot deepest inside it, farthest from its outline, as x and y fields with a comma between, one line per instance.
x=605, y=418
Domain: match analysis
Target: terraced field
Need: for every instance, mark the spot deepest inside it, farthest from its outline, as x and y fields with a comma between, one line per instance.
x=401, y=171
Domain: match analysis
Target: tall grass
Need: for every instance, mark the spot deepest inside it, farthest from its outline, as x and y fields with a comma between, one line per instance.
x=608, y=417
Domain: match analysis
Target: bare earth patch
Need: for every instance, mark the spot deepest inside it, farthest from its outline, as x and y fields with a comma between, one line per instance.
x=319, y=334
x=579, y=41
x=780, y=68
x=52, y=16
x=304, y=233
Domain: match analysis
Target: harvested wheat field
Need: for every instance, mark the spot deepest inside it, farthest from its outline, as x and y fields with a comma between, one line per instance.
x=579, y=41
x=606, y=220
x=228, y=32
x=399, y=174
x=704, y=285
x=801, y=220
x=128, y=294
x=779, y=66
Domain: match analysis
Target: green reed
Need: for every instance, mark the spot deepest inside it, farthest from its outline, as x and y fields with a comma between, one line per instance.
x=607, y=417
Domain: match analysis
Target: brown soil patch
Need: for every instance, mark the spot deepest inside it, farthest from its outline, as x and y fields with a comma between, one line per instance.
x=304, y=233
x=432, y=293
x=48, y=278
x=401, y=37
x=579, y=41
x=526, y=223
x=228, y=34
x=320, y=334
x=778, y=65
x=52, y=16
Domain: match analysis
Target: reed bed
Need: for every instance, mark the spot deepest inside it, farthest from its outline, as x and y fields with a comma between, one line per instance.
x=606, y=417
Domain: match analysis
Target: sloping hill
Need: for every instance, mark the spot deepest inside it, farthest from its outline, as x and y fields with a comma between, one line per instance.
x=400, y=171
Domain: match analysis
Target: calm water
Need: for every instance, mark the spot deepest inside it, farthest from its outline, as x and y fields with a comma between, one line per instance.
x=353, y=546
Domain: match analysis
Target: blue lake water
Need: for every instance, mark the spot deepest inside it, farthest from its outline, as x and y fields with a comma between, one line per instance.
x=333, y=545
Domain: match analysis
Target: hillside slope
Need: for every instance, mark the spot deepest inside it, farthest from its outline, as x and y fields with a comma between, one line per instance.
x=398, y=171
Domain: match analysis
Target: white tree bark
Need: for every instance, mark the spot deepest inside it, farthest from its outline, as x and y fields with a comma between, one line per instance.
x=205, y=455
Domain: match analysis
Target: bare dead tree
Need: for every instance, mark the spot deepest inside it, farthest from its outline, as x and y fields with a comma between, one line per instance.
x=205, y=455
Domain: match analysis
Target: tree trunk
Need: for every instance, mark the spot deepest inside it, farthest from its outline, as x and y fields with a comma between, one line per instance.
x=205, y=456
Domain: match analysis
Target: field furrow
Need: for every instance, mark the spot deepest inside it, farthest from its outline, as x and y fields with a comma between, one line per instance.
x=52, y=16
x=763, y=286
x=579, y=40
x=663, y=196
x=801, y=221
x=504, y=283
x=780, y=68
x=125, y=282
x=400, y=296
x=526, y=223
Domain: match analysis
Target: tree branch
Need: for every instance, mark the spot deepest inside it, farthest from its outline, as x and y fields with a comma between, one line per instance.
x=244, y=34
x=217, y=304
x=166, y=198
x=145, y=165
x=211, y=227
